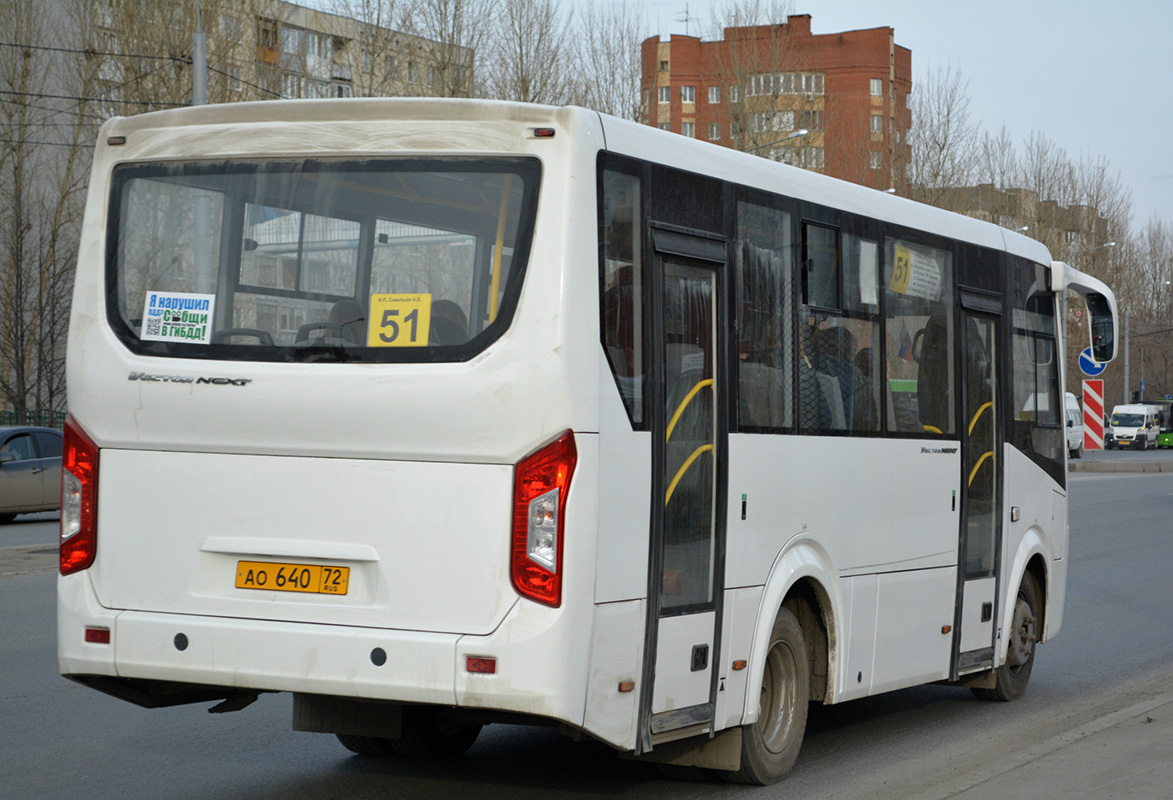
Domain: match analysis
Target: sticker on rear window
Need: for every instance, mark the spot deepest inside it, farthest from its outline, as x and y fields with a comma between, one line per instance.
x=399, y=320
x=178, y=317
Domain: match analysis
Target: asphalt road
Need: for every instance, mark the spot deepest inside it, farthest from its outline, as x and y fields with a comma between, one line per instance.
x=1115, y=650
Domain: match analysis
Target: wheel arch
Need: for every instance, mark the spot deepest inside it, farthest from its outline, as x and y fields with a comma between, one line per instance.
x=1034, y=556
x=801, y=581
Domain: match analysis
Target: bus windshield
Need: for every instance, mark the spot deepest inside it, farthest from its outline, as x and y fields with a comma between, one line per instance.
x=301, y=260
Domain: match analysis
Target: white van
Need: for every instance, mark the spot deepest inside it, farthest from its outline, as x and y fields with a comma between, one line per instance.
x=1074, y=427
x=1133, y=426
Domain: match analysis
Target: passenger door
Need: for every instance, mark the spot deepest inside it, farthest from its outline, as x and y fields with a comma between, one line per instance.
x=689, y=439
x=981, y=498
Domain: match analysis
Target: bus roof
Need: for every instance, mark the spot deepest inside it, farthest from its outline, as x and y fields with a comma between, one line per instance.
x=622, y=136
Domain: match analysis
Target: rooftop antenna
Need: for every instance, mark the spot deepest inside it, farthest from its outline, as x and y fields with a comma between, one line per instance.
x=683, y=16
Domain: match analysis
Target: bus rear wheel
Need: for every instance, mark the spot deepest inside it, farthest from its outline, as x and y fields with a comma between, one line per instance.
x=430, y=732
x=1012, y=677
x=366, y=745
x=770, y=746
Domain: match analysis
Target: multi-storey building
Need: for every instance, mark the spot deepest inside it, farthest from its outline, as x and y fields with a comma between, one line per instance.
x=761, y=84
x=270, y=49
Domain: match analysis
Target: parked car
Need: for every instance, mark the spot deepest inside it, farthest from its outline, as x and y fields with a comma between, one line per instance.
x=30, y=471
x=1075, y=432
x=1133, y=425
x=1074, y=427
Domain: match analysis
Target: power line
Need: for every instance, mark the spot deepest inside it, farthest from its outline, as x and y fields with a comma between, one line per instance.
x=93, y=99
x=247, y=83
x=185, y=59
x=50, y=144
x=52, y=110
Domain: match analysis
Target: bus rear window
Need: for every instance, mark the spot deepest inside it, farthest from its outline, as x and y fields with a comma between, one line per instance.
x=380, y=260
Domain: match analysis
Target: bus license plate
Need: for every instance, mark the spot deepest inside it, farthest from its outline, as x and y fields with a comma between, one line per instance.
x=308, y=578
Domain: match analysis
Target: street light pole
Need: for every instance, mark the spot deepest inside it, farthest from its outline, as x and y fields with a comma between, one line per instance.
x=786, y=138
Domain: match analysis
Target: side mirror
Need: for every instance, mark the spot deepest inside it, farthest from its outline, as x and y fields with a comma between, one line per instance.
x=6, y=458
x=1070, y=423
x=1100, y=312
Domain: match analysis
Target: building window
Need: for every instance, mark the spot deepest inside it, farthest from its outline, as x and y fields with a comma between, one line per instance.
x=877, y=123
x=714, y=95
x=663, y=66
x=663, y=126
x=714, y=132
x=734, y=94
x=688, y=94
x=875, y=159
x=234, y=83
x=645, y=97
x=291, y=40
x=877, y=87
x=413, y=72
x=367, y=61
x=291, y=85
x=665, y=94
x=688, y=129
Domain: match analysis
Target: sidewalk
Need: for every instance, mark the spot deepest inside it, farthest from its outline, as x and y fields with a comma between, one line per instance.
x=1126, y=754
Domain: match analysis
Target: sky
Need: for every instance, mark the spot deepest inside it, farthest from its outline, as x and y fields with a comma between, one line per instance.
x=1096, y=80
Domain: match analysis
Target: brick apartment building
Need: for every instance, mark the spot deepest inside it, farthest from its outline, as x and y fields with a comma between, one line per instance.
x=758, y=84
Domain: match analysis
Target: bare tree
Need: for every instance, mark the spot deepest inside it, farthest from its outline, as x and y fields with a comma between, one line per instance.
x=458, y=32
x=45, y=146
x=944, y=136
x=765, y=94
x=528, y=60
x=607, y=58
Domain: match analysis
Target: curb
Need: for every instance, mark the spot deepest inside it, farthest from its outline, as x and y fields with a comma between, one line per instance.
x=1148, y=466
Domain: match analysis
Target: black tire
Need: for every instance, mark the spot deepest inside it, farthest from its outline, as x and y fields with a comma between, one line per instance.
x=1078, y=452
x=430, y=732
x=6, y=518
x=367, y=745
x=1013, y=676
x=675, y=772
x=770, y=746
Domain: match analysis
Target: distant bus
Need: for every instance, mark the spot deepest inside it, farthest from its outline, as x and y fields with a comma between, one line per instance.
x=437, y=414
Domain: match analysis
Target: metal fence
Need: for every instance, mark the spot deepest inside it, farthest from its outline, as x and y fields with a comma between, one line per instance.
x=40, y=417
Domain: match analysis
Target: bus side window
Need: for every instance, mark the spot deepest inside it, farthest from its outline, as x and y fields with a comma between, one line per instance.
x=765, y=321
x=1038, y=429
x=621, y=285
x=921, y=335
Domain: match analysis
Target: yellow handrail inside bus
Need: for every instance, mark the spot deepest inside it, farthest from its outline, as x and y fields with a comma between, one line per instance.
x=973, y=421
x=683, y=469
x=684, y=403
x=931, y=428
x=980, y=461
x=498, y=247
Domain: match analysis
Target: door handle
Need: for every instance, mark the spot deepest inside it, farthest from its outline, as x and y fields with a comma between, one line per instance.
x=37, y=470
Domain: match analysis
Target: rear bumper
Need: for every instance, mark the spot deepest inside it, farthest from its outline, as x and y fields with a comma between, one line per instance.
x=542, y=669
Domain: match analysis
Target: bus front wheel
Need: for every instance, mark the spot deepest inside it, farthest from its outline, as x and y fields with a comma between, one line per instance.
x=1012, y=677
x=770, y=746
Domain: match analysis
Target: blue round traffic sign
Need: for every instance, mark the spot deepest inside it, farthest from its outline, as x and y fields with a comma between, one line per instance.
x=1088, y=365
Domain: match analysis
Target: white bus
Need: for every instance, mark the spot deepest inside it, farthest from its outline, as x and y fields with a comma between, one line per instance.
x=437, y=414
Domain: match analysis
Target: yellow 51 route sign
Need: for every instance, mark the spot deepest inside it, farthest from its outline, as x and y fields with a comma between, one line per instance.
x=399, y=320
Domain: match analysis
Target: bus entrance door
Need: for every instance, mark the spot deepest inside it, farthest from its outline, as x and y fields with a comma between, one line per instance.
x=688, y=437
x=981, y=502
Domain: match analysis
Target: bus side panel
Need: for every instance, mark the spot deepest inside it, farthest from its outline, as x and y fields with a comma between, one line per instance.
x=1040, y=530
x=737, y=634
x=913, y=639
x=616, y=657
x=887, y=504
x=624, y=499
